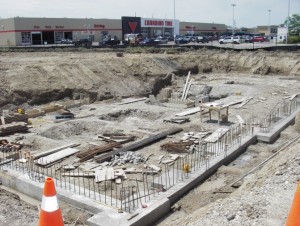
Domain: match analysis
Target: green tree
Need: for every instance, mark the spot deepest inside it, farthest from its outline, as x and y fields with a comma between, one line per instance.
x=293, y=23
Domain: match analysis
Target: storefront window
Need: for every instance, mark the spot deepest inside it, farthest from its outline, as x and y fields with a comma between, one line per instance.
x=26, y=38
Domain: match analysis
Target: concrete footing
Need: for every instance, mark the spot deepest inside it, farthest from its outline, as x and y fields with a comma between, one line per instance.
x=159, y=206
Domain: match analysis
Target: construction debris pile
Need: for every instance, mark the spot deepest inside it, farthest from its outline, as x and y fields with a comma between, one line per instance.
x=6, y=146
x=127, y=157
x=14, y=117
x=14, y=127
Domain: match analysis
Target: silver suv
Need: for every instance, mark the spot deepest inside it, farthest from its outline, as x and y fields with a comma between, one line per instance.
x=231, y=39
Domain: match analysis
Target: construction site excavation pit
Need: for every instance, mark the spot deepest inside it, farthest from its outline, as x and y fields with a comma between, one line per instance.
x=136, y=133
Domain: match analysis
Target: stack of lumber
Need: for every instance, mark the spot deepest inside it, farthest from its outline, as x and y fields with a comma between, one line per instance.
x=15, y=127
x=16, y=117
x=51, y=108
x=91, y=152
x=33, y=113
x=178, y=147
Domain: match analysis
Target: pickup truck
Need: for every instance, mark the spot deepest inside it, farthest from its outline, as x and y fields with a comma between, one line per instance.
x=83, y=42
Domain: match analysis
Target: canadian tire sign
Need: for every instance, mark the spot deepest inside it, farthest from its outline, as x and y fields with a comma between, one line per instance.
x=131, y=25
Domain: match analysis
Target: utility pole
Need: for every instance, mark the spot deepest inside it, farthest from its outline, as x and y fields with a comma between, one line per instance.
x=233, y=21
x=269, y=22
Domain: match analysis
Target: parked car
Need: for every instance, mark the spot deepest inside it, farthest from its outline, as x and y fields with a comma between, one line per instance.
x=170, y=37
x=148, y=42
x=188, y=38
x=202, y=39
x=249, y=39
x=109, y=42
x=258, y=39
x=161, y=40
x=83, y=42
x=66, y=41
x=234, y=40
x=180, y=40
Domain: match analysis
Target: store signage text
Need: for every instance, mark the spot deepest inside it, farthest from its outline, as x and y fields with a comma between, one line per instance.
x=36, y=27
x=158, y=23
x=48, y=27
x=59, y=26
x=190, y=27
x=99, y=26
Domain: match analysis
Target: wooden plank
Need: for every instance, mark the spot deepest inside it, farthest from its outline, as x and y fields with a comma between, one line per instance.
x=188, y=89
x=2, y=120
x=241, y=121
x=216, y=135
x=174, y=157
x=104, y=174
x=294, y=96
x=244, y=102
x=56, y=156
x=139, y=171
x=78, y=174
x=185, y=85
x=5, y=162
x=189, y=112
x=133, y=101
x=167, y=161
x=154, y=167
x=42, y=154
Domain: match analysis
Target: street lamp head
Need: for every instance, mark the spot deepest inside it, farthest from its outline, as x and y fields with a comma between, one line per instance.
x=233, y=5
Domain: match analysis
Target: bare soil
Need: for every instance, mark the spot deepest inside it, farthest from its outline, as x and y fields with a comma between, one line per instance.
x=38, y=78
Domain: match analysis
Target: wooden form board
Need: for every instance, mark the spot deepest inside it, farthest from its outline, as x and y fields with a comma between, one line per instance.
x=132, y=101
x=241, y=120
x=105, y=174
x=189, y=112
x=215, y=136
x=244, y=102
x=41, y=154
x=56, y=156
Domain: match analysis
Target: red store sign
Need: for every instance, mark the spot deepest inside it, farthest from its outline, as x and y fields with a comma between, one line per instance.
x=99, y=26
x=156, y=23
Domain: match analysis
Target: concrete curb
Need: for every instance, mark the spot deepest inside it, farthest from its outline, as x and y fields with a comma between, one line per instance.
x=271, y=136
x=22, y=183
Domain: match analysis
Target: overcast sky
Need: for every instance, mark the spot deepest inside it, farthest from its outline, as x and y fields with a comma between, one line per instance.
x=248, y=13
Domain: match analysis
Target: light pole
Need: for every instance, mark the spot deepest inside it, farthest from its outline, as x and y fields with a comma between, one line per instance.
x=287, y=24
x=174, y=20
x=233, y=22
x=269, y=28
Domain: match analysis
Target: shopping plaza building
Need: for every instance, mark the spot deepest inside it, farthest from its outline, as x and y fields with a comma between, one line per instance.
x=20, y=31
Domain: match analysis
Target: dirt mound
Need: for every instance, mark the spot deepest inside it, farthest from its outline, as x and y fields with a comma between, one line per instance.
x=123, y=114
x=42, y=77
x=67, y=129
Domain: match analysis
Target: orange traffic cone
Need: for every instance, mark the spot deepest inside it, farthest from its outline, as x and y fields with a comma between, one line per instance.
x=50, y=214
x=294, y=215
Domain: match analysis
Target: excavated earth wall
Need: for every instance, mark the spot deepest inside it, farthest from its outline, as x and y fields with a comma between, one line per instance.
x=41, y=77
